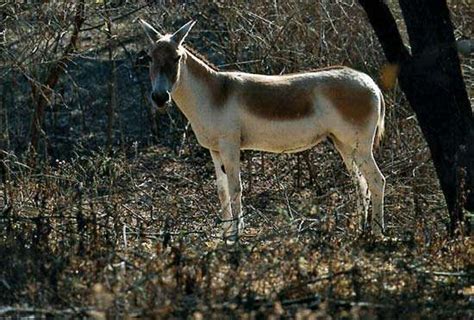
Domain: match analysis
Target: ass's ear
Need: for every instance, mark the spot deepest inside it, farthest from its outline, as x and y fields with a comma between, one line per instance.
x=151, y=32
x=179, y=36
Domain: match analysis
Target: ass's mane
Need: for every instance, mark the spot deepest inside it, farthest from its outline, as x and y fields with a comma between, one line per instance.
x=212, y=66
x=201, y=57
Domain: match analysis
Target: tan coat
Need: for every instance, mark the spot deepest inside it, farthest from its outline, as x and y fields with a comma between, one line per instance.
x=233, y=111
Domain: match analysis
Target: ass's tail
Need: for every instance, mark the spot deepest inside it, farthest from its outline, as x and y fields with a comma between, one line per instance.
x=380, y=122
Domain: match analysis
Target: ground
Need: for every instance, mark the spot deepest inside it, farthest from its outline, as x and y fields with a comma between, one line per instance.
x=137, y=235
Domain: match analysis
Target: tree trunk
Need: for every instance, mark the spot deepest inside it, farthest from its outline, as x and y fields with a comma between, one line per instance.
x=432, y=81
x=112, y=82
x=42, y=93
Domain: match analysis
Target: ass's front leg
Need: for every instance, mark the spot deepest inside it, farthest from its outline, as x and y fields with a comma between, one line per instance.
x=230, y=156
x=222, y=191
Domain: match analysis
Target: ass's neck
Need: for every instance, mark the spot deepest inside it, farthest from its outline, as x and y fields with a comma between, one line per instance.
x=193, y=89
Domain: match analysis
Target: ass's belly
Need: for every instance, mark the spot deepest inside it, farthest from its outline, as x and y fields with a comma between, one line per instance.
x=285, y=136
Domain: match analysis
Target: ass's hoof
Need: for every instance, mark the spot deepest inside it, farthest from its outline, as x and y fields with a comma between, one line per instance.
x=230, y=233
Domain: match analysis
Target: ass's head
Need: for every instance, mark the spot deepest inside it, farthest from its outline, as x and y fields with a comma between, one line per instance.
x=165, y=53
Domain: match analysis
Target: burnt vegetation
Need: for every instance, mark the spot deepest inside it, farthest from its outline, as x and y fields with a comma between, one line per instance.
x=109, y=209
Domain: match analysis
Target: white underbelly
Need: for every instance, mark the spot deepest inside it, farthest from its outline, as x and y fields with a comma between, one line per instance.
x=280, y=136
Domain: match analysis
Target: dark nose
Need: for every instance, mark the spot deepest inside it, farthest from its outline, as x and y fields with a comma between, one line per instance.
x=160, y=98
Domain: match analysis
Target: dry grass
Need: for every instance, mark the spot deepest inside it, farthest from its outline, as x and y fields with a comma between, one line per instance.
x=137, y=237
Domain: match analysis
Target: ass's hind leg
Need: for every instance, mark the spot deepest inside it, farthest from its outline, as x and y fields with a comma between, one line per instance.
x=363, y=197
x=364, y=159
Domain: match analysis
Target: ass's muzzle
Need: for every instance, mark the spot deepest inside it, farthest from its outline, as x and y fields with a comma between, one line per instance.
x=160, y=99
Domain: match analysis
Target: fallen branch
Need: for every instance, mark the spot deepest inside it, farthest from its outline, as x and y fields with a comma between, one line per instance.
x=16, y=310
x=447, y=274
x=328, y=276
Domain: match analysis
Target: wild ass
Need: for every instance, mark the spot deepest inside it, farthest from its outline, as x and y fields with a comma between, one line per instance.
x=233, y=111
